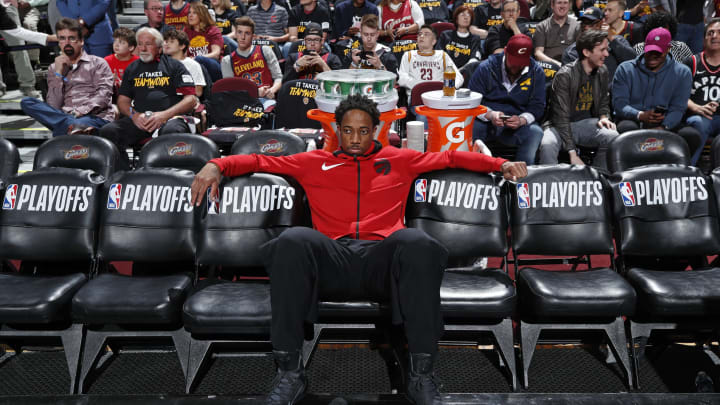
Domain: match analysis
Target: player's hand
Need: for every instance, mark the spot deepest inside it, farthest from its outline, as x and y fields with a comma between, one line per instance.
x=513, y=170
x=208, y=177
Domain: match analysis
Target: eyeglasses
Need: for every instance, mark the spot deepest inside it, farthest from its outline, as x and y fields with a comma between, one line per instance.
x=155, y=9
x=72, y=40
x=313, y=40
x=424, y=34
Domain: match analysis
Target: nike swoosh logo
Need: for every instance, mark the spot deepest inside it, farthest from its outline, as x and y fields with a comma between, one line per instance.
x=326, y=167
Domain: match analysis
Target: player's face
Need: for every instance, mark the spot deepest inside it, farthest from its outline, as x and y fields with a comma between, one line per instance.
x=712, y=38
x=243, y=36
x=356, y=132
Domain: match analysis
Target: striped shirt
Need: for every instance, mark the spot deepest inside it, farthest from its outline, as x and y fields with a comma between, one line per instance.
x=272, y=22
x=678, y=50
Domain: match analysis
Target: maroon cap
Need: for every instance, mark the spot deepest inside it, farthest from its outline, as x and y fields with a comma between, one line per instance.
x=518, y=50
x=658, y=40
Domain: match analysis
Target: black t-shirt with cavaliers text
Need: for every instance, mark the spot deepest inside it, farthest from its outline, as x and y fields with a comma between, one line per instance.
x=158, y=85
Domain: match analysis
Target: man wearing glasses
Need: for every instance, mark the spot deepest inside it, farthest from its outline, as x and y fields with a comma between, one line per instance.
x=499, y=35
x=313, y=59
x=80, y=87
x=154, y=13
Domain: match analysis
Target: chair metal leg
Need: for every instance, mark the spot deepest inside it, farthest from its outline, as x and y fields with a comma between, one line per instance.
x=529, y=334
x=309, y=346
x=72, y=344
x=181, y=340
x=93, y=345
x=197, y=354
x=618, y=343
x=504, y=337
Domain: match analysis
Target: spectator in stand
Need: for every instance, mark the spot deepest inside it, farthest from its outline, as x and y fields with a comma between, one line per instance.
x=175, y=45
x=703, y=111
x=371, y=54
x=224, y=16
x=691, y=24
x=206, y=41
x=668, y=6
x=271, y=21
x=154, y=13
x=555, y=33
x=93, y=18
x=580, y=105
x=10, y=30
x=80, y=87
x=425, y=64
x=314, y=59
x=30, y=16
x=348, y=14
x=639, y=10
x=303, y=14
x=176, y=14
x=486, y=15
x=399, y=19
x=124, y=44
x=156, y=91
x=678, y=50
x=652, y=90
x=629, y=30
x=253, y=62
x=21, y=59
x=434, y=11
x=619, y=50
x=499, y=35
x=461, y=45
x=513, y=89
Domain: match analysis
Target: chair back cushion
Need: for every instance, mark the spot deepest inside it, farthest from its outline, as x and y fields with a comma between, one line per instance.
x=80, y=152
x=644, y=147
x=271, y=142
x=181, y=151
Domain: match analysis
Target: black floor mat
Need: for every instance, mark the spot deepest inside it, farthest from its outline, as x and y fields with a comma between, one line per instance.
x=355, y=370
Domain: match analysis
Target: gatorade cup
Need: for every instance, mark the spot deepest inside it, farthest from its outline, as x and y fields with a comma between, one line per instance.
x=450, y=129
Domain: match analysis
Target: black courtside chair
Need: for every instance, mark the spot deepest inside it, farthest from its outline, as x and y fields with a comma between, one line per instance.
x=271, y=142
x=562, y=210
x=80, y=152
x=180, y=151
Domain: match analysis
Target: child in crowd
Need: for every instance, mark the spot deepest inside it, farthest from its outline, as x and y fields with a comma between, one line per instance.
x=123, y=47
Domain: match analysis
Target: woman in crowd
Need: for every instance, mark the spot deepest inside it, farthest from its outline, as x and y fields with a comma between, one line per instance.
x=224, y=17
x=462, y=46
x=206, y=40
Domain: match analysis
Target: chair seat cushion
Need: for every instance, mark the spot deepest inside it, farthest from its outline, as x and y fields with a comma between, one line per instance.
x=116, y=299
x=477, y=294
x=37, y=300
x=554, y=295
x=677, y=293
x=234, y=308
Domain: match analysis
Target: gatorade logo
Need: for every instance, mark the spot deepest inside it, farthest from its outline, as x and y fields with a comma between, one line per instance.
x=455, y=132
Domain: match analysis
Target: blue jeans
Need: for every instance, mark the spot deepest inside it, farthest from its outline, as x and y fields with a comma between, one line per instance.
x=212, y=66
x=692, y=35
x=56, y=120
x=527, y=138
x=101, y=50
x=707, y=128
x=229, y=44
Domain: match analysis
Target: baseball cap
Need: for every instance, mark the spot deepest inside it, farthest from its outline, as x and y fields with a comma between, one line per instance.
x=592, y=14
x=658, y=40
x=313, y=29
x=518, y=50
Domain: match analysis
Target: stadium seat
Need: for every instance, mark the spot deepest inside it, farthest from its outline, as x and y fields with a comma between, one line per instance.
x=715, y=153
x=146, y=218
x=235, y=310
x=442, y=26
x=80, y=152
x=561, y=210
x=472, y=300
x=48, y=216
x=664, y=215
x=10, y=158
x=646, y=146
x=271, y=142
x=181, y=151
x=294, y=100
x=467, y=72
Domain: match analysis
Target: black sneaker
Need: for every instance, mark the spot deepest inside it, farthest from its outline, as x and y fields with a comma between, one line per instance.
x=290, y=382
x=422, y=386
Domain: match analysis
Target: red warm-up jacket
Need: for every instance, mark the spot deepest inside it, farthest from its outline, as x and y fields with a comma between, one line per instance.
x=360, y=197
